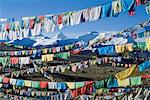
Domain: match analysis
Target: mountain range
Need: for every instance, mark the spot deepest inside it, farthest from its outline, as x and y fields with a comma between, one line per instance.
x=60, y=39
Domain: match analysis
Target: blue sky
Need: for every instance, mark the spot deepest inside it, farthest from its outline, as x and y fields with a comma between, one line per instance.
x=19, y=8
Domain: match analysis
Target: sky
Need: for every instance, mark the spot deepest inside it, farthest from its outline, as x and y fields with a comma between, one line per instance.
x=20, y=8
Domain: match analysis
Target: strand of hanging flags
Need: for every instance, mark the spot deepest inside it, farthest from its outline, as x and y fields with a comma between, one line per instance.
x=137, y=27
x=78, y=87
x=61, y=68
x=114, y=8
x=5, y=44
x=138, y=2
x=104, y=40
x=140, y=68
x=45, y=24
x=74, y=66
x=140, y=35
x=71, y=47
x=105, y=50
x=145, y=25
x=139, y=45
x=117, y=49
x=123, y=78
x=100, y=94
x=128, y=32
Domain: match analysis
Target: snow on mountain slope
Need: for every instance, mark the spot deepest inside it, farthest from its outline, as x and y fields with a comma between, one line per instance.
x=60, y=39
x=106, y=35
x=114, y=41
x=39, y=40
x=49, y=41
x=87, y=37
x=84, y=38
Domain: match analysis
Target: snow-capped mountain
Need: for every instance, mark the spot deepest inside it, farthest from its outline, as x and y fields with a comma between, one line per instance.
x=39, y=40
x=116, y=40
x=42, y=41
x=89, y=36
x=60, y=36
x=119, y=39
x=100, y=36
x=60, y=39
x=84, y=38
